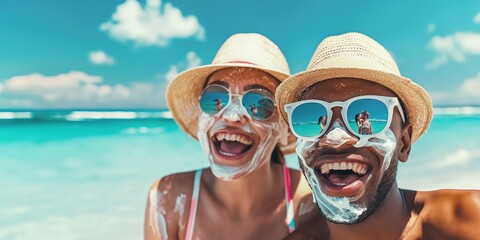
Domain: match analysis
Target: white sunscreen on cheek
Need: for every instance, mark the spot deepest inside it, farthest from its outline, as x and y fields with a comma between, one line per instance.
x=262, y=153
x=384, y=144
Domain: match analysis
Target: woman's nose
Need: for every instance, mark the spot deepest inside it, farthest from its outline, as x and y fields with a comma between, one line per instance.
x=235, y=112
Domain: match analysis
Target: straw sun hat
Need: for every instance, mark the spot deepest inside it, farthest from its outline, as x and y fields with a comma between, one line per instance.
x=240, y=50
x=354, y=55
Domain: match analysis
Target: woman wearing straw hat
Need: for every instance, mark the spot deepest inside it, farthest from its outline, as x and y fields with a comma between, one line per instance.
x=248, y=192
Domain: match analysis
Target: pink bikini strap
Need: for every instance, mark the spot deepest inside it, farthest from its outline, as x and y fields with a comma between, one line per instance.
x=290, y=220
x=193, y=205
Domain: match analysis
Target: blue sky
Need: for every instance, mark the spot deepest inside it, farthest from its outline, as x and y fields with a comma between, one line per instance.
x=121, y=54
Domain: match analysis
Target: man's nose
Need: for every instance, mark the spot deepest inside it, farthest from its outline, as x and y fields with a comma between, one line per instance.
x=337, y=134
x=235, y=112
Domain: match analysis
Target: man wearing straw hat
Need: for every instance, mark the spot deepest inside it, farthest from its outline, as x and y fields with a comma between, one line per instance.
x=353, y=175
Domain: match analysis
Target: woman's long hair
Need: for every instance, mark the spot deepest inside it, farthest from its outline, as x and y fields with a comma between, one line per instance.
x=277, y=155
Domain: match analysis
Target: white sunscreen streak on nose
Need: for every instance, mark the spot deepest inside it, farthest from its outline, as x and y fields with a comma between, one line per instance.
x=235, y=110
x=157, y=218
x=341, y=209
x=180, y=207
x=338, y=136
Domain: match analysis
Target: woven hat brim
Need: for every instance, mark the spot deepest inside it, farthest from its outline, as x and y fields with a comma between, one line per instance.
x=416, y=100
x=183, y=92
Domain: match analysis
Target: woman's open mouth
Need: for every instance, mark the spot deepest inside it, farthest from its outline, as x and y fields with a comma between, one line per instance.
x=231, y=146
x=342, y=178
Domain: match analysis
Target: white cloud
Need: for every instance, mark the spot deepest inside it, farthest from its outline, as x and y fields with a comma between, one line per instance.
x=471, y=86
x=466, y=93
x=152, y=25
x=191, y=60
x=476, y=19
x=100, y=58
x=172, y=72
x=78, y=90
x=431, y=27
x=38, y=83
x=456, y=47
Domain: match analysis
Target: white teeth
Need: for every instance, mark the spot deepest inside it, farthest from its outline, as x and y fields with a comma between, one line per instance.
x=233, y=137
x=336, y=166
x=356, y=167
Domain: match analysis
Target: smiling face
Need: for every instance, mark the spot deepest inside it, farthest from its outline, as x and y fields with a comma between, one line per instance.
x=235, y=141
x=337, y=168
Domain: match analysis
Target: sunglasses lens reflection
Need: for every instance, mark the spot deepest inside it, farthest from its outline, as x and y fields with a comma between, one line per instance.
x=367, y=116
x=213, y=99
x=309, y=119
x=259, y=106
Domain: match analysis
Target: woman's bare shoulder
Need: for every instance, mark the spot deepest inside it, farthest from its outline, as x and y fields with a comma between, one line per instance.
x=168, y=206
x=171, y=187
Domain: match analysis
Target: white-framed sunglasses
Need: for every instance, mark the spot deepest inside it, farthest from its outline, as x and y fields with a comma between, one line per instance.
x=258, y=102
x=364, y=116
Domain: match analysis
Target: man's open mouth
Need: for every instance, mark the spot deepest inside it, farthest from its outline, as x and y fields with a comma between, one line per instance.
x=342, y=173
x=232, y=144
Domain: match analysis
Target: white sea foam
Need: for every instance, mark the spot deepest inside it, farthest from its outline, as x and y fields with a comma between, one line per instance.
x=456, y=110
x=144, y=130
x=15, y=115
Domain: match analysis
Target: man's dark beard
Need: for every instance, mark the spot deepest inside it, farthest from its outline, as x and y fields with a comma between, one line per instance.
x=383, y=188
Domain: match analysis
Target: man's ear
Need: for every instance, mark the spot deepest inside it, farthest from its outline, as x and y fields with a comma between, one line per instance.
x=405, y=143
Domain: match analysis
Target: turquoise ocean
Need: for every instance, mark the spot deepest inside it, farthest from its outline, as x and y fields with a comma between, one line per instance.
x=85, y=174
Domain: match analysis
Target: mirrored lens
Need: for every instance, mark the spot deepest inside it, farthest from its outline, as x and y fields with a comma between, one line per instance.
x=367, y=116
x=309, y=119
x=258, y=105
x=213, y=99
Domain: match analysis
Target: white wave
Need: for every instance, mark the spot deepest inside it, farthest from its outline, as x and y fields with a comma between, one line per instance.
x=460, y=157
x=78, y=116
x=86, y=115
x=144, y=130
x=15, y=115
x=456, y=110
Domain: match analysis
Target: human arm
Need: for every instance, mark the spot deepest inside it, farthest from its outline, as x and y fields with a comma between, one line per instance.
x=449, y=214
x=160, y=221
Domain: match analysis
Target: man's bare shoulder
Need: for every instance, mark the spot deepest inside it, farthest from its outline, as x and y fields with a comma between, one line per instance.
x=449, y=214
